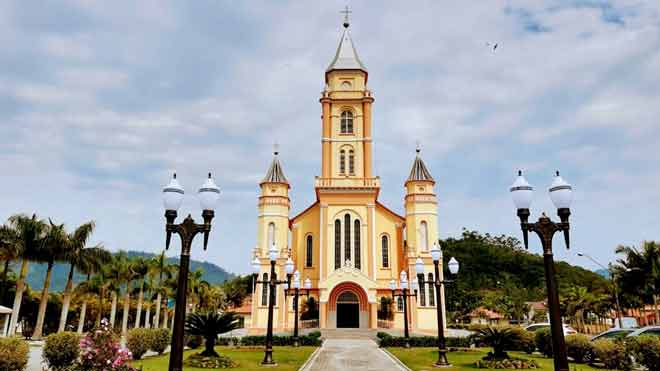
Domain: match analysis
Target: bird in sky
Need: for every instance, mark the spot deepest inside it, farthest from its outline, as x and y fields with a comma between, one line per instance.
x=492, y=45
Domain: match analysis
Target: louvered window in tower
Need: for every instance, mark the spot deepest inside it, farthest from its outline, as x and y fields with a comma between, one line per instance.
x=347, y=237
x=310, y=251
x=337, y=244
x=271, y=235
x=424, y=236
x=431, y=291
x=356, y=234
x=347, y=122
x=351, y=162
x=342, y=162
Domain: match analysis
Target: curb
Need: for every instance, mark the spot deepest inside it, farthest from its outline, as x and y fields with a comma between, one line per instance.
x=306, y=366
x=391, y=356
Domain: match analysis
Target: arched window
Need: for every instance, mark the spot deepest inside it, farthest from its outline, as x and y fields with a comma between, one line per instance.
x=385, y=251
x=337, y=244
x=422, y=296
x=351, y=162
x=399, y=304
x=347, y=122
x=271, y=234
x=342, y=162
x=431, y=290
x=264, y=290
x=347, y=237
x=356, y=234
x=310, y=251
x=424, y=236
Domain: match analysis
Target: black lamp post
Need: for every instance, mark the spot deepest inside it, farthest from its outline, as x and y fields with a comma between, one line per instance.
x=172, y=197
x=404, y=294
x=296, y=294
x=436, y=256
x=561, y=194
x=273, y=254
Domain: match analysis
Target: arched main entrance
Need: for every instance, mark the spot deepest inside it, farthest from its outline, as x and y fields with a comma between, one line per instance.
x=348, y=310
x=348, y=306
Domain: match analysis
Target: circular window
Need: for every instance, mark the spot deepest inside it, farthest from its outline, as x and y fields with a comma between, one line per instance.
x=346, y=85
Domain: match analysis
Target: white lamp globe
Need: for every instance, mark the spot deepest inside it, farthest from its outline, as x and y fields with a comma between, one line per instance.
x=453, y=265
x=419, y=266
x=392, y=285
x=288, y=266
x=521, y=192
x=296, y=282
x=173, y=195
x=296, y=275
x=308, y=283
x=256, y=266
x=285, y=285
x=404, y=284
x=273, y=253
x=208, y=194
x=436, y=253
x=561, y=193
x=413, y=285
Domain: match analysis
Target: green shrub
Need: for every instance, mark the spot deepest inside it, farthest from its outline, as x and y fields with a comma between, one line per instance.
x=526, y=341
x=646, y=350
x=579, y=348
x=13, y=354
x=422, y=341
x=315, y=334
x=516, y=363
x=61, y=350
x=381, y=335
x=200, y=361
x=612, y=354
x=543, y=340
x=310, y=339
x=137, y=341
x=159, y=339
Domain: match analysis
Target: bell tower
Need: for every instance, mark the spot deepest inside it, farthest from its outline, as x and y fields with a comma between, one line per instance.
x=273, y=208
x=421, y=207
x=346, y=122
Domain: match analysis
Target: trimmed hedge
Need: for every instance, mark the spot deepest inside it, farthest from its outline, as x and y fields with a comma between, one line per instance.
x=138, y=341
x=387, y=340
x=312, y=339
x=646, y=350
x=580, y=348
x=543, y=340
x=13, y=354
x=61, y=350
x=612, y=354
x=159, y=339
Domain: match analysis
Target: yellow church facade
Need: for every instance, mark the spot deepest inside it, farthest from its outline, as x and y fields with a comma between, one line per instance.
x=347, y=243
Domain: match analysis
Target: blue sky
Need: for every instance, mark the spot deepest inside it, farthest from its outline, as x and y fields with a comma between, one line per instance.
x=101, y=101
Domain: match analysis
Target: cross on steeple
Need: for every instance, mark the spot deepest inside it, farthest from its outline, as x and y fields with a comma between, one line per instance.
x=346, y=13
x=276, y=148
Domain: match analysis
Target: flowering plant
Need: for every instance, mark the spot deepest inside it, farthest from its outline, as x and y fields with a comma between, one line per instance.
x=100, y=351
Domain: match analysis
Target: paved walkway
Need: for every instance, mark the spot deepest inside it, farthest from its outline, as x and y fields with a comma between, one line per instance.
x=352, y=354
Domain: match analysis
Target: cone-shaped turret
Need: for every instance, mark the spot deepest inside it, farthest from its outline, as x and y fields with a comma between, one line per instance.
x=419, y=172
x=275, y=172
x=346, y=57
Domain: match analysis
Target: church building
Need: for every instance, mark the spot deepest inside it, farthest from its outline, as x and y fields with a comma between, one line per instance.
x=347, y=243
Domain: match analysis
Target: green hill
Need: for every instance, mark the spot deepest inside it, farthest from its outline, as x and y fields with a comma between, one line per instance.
x=36, y=273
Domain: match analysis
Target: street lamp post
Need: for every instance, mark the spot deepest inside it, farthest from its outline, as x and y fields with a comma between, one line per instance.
x=404, y=294
x=614, y=283
x=561, y=194
x=296, y=294
x=436, y=256
x=273, y=282
x=187, y=230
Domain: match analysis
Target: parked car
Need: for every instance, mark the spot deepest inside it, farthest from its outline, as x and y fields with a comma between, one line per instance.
x=648, y=330
x=568, y=330
x=613, y=333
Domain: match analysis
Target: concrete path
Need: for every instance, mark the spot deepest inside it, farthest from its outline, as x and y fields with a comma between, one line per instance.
x=352, y=354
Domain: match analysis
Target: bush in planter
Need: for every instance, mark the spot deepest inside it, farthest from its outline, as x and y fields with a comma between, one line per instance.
x=387, y=340
x=159, y=339
x=200, y=361
x=612, y=354
x=13, y=354
x=61, y=350
x=579, y=348
x=543, y=340
x=500, y=339
x=517, y=363
x=526, y=341
x=646, y=350
x=314, y=334
x=138, y=341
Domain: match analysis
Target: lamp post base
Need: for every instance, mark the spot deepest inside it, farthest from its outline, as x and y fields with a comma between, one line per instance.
x=442, y=361
x=268, y=359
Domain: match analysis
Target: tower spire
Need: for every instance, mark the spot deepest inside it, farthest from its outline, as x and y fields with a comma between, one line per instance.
x=346, y=57
x=346, y=12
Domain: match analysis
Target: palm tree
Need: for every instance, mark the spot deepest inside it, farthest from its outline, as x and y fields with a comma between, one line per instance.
x=30, y=233
x=140, y=269
x=127, y=276
x=209, y=325
x=500, y=338
x=640, y=271
x=78, y=253
x=117, y=271
x=53, y=249
x=158, y=265
x=196, y=287
x=83, y=291
x=9, y=251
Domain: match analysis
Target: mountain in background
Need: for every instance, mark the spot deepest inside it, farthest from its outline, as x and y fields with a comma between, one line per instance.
x=603, y=272
x=37, y=272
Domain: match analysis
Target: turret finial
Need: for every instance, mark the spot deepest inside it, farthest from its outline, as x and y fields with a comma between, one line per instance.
x=418, y=146
x=346, y=13
x=276, y=148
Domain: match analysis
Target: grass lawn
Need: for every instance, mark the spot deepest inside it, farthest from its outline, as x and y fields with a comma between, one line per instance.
x=419, y=359
x=248, y=358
